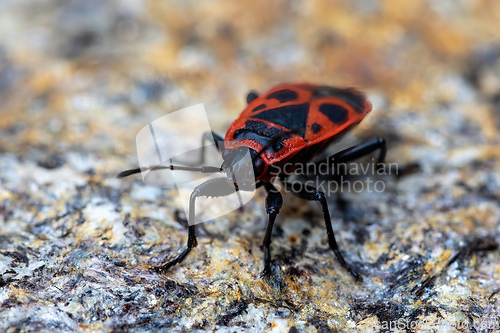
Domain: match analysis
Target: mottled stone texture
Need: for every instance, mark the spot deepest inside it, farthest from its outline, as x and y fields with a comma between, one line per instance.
x=78, y=79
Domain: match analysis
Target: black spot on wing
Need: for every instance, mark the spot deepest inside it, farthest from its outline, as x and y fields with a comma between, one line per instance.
x=315, y=128
x=259, y=107
x=284, y=95
x=351, y=96
x=336, y=113
x=293, y=117
x=252, y=95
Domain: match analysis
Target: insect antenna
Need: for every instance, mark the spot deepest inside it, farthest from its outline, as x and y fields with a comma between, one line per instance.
x=202, y=169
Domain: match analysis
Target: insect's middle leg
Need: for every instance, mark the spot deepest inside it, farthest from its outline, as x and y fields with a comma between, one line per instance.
x=310, y=193
x=351, y=154
x=216, y=187
x=274, y=201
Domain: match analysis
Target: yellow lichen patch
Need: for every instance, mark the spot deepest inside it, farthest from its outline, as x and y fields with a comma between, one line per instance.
x=370, y=324
x=49, y=77
x=408, y=95
x=446, y=39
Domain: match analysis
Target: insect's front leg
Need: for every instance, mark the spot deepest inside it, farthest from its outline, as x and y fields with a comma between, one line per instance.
x=208, y=137
x=216, y=187
x=274, y=201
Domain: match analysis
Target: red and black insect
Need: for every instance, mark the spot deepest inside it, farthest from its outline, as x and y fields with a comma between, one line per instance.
x=283, y=129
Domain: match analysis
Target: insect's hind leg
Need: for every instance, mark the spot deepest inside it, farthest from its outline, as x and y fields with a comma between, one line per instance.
x=274, y=201
x=310, y=193
x=358, y=151
x=216, y=187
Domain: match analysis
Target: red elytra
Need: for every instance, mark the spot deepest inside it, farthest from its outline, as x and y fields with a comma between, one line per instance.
x=320, y=114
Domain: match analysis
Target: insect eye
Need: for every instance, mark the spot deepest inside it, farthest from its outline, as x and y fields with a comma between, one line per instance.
x=258, y=167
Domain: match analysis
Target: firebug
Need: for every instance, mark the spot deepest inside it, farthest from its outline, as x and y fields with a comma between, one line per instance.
x=282, y=129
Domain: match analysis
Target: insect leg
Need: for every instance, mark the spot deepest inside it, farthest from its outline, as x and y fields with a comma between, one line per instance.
x=252, y=95
x=358, y=151
x=308, y=192
x=351, y=154
x=216, y=187
x=209, y=136
x=274, y=201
